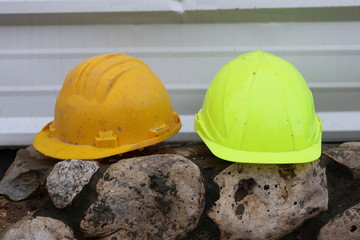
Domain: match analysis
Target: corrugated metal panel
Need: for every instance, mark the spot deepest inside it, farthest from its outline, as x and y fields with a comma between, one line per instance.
x=186, y=50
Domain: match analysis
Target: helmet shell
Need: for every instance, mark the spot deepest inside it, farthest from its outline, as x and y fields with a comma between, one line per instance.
x=259, y=109
x=108, y=104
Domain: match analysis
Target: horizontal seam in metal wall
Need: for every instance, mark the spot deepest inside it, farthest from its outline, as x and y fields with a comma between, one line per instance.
x=175, y=87
x=82, y=52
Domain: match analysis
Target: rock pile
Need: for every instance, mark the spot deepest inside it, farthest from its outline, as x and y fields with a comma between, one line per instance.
x=181, y=191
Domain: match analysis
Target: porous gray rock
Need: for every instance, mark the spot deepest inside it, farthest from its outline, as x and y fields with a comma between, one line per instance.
x=345, y=226
x=268, y=201
x=350, y=145
x=150, y=197
x=38, y=228
x=348, y=157
x=67, y=179
x=26, y=174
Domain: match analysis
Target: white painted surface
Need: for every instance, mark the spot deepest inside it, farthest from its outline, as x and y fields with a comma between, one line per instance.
x=184, y=50
x=180, y=6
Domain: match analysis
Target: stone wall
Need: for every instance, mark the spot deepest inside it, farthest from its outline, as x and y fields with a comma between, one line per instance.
x=181, y=191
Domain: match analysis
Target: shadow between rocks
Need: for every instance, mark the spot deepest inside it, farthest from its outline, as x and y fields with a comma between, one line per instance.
x=7, y=157
x=209, y=166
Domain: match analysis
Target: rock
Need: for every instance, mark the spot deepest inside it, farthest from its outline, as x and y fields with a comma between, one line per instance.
x=268, y=201
x=152, y=197
x=345, y=226
x=188, y=150
x=123, y=235
x=350, y=145
x=38, y=228
x=30, y=158
x=26, y=174
x=348, y=157
x=11, y=212
x=67, y=179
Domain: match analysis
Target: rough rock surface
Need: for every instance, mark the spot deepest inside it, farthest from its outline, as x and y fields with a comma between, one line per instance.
x=38, y=228
x=348, y=157
x=345, y=226
x=123, y=235
x=153, y=197
x=67, y=179
x=26, y=174
x=344, y=192
x=268, y=201
x=11, y=212
x=350, y=145
x=187, y=150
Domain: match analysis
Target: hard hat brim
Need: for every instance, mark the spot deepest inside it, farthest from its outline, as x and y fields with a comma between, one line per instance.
x=309, y=154
x=55, y=148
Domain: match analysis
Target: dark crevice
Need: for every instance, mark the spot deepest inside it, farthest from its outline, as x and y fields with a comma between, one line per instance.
x=206, y=230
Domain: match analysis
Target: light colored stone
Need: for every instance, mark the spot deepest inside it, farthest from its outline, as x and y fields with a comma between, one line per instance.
x=345, y=226
x=38, y=228
x=26, y=174
x=350, y=145
x=151, y=197
x=268, y=201
x=67, y=179
x=348, y=157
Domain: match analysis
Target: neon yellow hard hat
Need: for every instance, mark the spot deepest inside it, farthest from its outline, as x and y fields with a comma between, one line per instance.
x=108, y=104
x=259, y=109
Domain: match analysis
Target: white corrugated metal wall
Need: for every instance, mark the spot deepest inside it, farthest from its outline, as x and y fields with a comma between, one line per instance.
x=185, y=43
